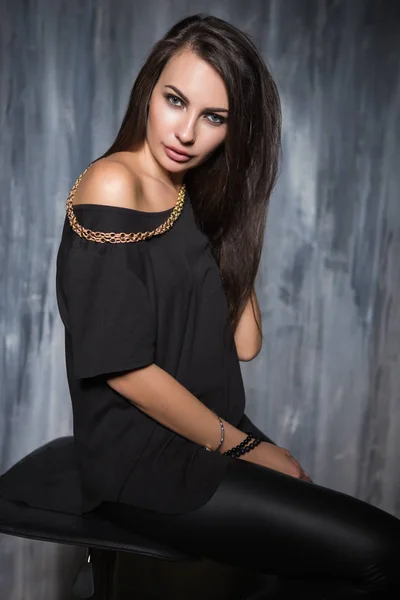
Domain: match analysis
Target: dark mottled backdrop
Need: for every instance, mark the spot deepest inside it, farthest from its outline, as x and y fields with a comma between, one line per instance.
x=327, y=382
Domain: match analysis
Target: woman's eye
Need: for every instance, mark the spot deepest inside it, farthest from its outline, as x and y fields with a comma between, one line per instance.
x=169, y=96
x=171, y=100
x=221, y=120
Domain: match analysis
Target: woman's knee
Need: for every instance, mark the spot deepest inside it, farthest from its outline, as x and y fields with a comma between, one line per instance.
x=379, y=559
x=377, y=574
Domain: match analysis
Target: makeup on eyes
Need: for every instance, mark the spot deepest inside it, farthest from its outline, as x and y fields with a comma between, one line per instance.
x=222, y=120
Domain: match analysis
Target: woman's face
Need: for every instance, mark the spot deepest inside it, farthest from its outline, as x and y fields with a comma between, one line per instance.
x=188, y=110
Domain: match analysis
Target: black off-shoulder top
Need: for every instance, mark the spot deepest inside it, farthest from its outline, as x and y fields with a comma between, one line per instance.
x=125, y=306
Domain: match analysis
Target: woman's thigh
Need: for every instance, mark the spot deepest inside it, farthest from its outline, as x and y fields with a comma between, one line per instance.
x=271, y=522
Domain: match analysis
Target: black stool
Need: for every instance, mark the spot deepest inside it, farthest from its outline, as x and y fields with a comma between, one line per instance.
x=105, y=541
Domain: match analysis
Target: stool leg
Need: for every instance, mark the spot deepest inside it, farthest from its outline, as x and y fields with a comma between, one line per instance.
x=103, y=564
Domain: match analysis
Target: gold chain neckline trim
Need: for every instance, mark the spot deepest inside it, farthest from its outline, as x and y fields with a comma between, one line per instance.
x=120, y=238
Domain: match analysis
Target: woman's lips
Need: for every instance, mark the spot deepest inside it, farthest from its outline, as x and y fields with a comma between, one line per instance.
x=175, y=155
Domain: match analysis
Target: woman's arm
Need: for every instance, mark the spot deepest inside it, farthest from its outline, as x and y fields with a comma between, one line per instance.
x=248, y=338
x=163, y=398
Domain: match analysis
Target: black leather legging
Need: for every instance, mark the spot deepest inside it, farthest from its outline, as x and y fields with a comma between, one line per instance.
x=265, y=520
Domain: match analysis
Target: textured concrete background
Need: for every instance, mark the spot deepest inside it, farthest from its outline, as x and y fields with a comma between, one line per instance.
x=327, y=382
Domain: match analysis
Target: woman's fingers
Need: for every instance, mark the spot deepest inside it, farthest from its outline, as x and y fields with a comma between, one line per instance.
x=302, y=474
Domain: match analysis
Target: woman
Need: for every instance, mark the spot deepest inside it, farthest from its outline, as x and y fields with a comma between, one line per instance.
x=155, y=285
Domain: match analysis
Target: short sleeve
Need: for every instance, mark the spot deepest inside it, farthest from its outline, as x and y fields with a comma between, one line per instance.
x=110, y=319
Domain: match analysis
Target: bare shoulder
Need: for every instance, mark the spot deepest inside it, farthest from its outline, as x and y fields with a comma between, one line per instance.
x=110, y=182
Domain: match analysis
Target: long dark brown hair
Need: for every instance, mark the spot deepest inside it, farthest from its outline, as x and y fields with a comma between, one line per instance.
x=230, y=191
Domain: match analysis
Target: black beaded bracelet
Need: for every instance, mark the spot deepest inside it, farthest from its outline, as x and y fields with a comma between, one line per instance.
x=243, y=443
x=242, y=448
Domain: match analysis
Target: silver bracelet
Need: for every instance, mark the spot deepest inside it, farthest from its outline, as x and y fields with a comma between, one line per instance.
x=222, y=434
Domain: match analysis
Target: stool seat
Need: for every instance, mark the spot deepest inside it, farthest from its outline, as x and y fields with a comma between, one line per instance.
x=22, y=515
x=24, y=521
x=40, y=499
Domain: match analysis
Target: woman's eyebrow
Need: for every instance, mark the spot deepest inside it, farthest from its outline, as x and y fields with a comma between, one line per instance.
x=186, y=100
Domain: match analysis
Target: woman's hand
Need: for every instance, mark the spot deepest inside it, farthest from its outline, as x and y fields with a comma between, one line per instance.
x=277, y=458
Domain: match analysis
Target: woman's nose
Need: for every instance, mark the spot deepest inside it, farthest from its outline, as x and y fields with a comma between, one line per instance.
x=186, y=130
